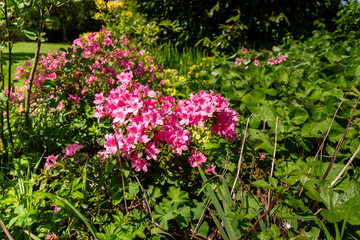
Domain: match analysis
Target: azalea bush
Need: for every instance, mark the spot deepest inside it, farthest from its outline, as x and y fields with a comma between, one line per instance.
x=143, y=124
x=257, y=145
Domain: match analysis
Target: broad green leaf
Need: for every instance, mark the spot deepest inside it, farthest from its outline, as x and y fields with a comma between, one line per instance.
x=253, y=98
x=261, y=184
x=162, y=217
x=204, y=229
x=30, y=35
x=298, y=115
x=177, y=195
x=154, y=192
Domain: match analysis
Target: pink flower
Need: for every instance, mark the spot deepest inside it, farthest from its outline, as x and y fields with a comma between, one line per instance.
x=99, y=98
x=51, y=236
x=140, y=53
x=52, y=76
x=239, y=61
x=27, y=64
x=211, y=169
x=196, y=159
x=151, y=152
x=139, y=164
x=245, y=51
x=262, y=156
x=75, y=98
x=56, y=209
x=83, y=91
x=51, y=161
x=71, y=149
x=124, y=40
x=162, y=82
x=257, y=63
x=272, y=61
x=60, y=106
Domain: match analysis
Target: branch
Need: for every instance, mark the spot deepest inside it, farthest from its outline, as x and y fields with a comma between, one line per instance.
x=7, y=233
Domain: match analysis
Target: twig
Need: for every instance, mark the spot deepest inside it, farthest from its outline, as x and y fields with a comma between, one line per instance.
x=338, y=147
x=7, y=233
x=346, y=166
x=241, y=156
x=273, y=161
x=327, y=134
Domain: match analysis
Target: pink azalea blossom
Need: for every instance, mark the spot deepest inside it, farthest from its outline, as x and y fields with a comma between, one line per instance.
x=56, y=209
x=239, y=61
x=139, y=164
x=51, y=236
x=51, y=161
x=140, y=53
x=124, y=40
x=75, y=98
x=196, y=159
x=245, y=51
x=71, y=149
x=211, y=169
x=60, y=106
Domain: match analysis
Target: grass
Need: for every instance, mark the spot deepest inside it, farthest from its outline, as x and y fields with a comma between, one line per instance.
x=25, y=51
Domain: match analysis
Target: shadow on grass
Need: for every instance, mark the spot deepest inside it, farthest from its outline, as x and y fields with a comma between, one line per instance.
x=19, y=56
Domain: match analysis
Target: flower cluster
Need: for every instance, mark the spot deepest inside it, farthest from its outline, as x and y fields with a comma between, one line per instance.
x=95, y=62
x=246, y=59
x=71, y=149
x=147, y=124
x=277, y=61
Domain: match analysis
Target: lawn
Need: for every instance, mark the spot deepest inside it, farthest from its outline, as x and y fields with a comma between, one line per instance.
x=25, y=51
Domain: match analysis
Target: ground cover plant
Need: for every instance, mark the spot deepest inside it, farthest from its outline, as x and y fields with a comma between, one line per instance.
x=106, y=140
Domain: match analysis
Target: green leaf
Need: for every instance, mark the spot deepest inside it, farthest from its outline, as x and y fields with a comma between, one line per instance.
x=2, y=61
x=154, y=192
x=77, y=194
x=30, y=35
x=298, y=115
x=204, y=229
x=262, y=184
x=273, y=181
x=3, y=97
x=158, y=231
x=252, y=98
x=214, y=200
x=162, y=217
x=61, y=202
x=177, y=195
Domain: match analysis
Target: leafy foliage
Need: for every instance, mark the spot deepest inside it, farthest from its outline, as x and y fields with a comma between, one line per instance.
x=298, y=126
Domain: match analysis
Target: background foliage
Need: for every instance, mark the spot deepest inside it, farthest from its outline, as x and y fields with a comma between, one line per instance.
x=291, y=172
